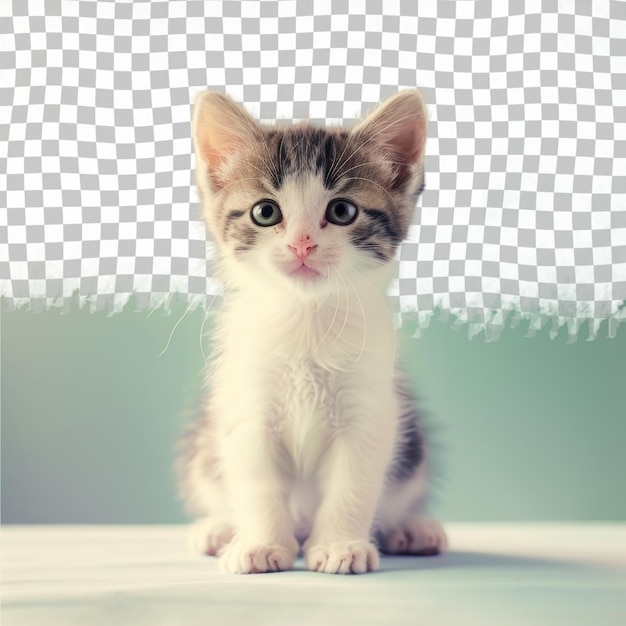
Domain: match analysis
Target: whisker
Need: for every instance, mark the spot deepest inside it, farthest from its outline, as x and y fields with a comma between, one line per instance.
x=254, y=140
x=369, y=180
x=239, y=180
x=326, y=295
x=354, y=167
x=171, y=292
x=184, y=315
x=358, y=298
x=337, y=160
x=345, y=317
x=368, y=259
x=271, y=161
x=332, y=322
x=295, y=146
x=204, y=319
x=258, y=169
x=381, y=130
x=384, y=301
x=278, y=155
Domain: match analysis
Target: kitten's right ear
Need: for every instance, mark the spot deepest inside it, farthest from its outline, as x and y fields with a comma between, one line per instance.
x=220, y=129
x=397, y=128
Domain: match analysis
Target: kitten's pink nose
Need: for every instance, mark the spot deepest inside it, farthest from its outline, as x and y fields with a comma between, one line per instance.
x=302, y=247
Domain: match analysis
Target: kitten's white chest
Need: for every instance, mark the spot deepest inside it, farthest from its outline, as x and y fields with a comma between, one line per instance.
x=308, y=410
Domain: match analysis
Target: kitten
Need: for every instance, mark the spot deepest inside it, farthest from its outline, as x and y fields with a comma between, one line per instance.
x=309, y=433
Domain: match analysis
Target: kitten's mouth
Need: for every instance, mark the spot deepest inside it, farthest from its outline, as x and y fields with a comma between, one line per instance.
x=304, y=271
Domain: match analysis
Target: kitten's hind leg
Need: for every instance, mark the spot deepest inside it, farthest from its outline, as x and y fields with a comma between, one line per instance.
x=417, y=535
x=209, y=535
x=400, y=528
x=201, y=487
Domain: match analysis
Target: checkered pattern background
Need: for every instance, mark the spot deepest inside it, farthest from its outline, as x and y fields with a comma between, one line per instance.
x=525, y=201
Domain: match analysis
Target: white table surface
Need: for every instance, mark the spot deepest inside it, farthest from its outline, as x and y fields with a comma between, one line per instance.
x=531, y=574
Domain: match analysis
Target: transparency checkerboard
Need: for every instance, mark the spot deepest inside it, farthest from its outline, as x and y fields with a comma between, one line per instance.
x=524, y=211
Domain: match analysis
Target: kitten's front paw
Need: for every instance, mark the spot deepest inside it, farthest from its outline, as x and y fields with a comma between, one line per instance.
x=343, y=557
x=421, y=536
x=238, y=558
x=209, y=536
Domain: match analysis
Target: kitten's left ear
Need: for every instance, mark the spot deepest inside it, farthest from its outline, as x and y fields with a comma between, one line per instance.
x=398, y=128
x=220, y=129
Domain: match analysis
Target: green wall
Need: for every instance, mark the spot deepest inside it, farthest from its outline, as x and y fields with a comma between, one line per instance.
x=522, y=429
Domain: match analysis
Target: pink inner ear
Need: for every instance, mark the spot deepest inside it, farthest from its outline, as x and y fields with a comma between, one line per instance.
x=405, y=145
x=217, y=145
x=212, y=157
x=405, y=141
x=221, y=129
x=398, y=126
x=409, y=141
x=405, y=138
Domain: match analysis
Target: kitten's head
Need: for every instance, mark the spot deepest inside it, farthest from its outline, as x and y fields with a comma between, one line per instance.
x=303, y=207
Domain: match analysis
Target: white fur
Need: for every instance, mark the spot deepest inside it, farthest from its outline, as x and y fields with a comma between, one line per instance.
x=293, y=403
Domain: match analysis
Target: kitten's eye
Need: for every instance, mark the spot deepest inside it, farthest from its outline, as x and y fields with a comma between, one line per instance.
x=341, y=212
x=266, y=213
